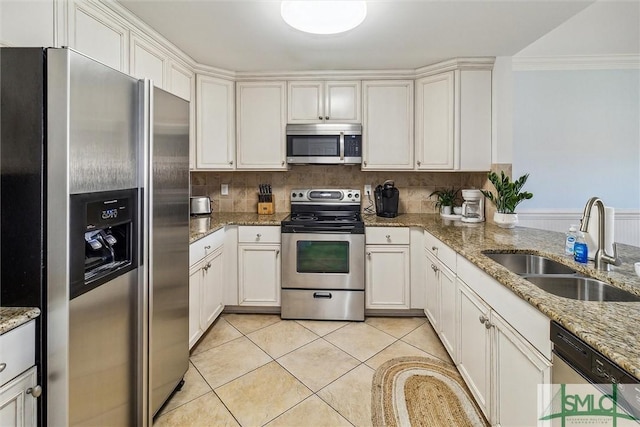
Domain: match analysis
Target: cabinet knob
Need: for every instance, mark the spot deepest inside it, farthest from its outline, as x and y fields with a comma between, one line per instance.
x=35, y=391
x=231, y=163
x=319, y=117
x=434, y=268
x=365, y=163
x=277, y=252
x=258, y=236
x=369, y=254
x=388, y=236
x=434, y=248
x=3, y=366
x=326, y=117
x=419, y=163
x=206, y=248
x=282, y=163
x=488, y=325
x=483, y=319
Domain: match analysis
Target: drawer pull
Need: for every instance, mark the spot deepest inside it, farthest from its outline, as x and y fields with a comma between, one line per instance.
x=206, y=248
x=258, y=236
x=325, y=295
x=35, y=391
x=3, y=366
x=388, y=236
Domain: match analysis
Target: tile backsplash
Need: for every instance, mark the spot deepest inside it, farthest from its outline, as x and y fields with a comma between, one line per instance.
x=414, y=187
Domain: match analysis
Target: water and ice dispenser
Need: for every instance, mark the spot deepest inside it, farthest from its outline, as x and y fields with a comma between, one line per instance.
x=104, y=240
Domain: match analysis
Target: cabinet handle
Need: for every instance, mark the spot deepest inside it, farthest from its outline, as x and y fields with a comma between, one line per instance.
x=205, y=267
x=3, y=366
x=277, y=252
x=388, y=236
x=319, y=117
x=326, y=117
x=488, y=325
x=434, y=248
x=369, y=254
x=419, y=163
x=258, y=236
x=483, y=319
x=365, y=163
x=231, y=163
x=282, y=163
x=206, y=248
x=434, y=268
x=35, y=391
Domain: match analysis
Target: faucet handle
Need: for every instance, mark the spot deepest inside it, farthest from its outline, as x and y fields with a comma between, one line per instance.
x=616, y=261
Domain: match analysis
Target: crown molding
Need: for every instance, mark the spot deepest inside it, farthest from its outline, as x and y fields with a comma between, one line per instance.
x=576, y=62
x=326, y=75
x=470, y=63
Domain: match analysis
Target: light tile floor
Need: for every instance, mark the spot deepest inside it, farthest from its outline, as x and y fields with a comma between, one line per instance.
x=259, y=370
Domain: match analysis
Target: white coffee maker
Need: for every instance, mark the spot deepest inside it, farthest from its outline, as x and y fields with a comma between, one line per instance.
x=473, y=206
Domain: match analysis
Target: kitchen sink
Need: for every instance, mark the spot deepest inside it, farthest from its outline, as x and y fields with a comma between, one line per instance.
x=581, y=288
x=529, y=264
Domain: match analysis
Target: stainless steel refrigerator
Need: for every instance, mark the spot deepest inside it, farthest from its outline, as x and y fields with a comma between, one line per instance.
x=94, y=231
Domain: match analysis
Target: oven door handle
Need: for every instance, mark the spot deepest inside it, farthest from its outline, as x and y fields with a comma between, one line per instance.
x=342, y=146
x=323, y=295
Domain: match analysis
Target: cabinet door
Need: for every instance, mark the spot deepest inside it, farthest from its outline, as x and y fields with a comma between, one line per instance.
x=432, y=290
x=519, y=369
x=448, y=310
x=259, y=274
x=435, y=105
x=388, y=116
x=387, y=281
x=195, y=288
x=212, y=285
x=148, y=61
x=261, y=120
x=342, y=102
x=215, y=124
x=17, y=407
x=96, y=34
x=306, y=102
x=474, y=348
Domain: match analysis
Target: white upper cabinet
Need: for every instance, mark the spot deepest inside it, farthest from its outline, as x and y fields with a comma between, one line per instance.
x=261, y=121
x=180, y=80
x=388, y=125
x=148, y=61
x=324, y=101
x=453, y=121
x=97, y=35
x=215, y=124
x=434, y=122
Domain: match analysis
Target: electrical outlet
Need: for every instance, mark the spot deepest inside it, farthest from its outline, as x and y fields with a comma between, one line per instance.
x=224, y=189
x=367, y=190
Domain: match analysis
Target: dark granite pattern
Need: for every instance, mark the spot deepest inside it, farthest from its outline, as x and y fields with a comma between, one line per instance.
x=12, y=317
x=610, y=327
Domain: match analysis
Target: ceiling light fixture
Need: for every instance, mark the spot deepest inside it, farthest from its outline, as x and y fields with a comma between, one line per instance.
x=323, y=16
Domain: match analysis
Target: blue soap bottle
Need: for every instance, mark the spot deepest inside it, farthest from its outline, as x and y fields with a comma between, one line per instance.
x=580, y=249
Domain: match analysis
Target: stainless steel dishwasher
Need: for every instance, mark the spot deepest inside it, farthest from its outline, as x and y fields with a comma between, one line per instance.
x=576, y=362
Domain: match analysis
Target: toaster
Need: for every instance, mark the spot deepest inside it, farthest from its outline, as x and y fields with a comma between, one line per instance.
x=200, y=206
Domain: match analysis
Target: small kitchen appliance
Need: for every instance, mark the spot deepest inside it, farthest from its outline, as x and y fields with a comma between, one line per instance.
x=323, y=256
x=200, y=206
x=473, y=206
x=387, y=197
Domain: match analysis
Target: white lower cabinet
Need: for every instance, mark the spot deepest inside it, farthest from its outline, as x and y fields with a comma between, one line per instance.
x=17, y=402
x=259, y=265
x=502, y=369
x=206, y=281
x=387, y=268
x=432, y=291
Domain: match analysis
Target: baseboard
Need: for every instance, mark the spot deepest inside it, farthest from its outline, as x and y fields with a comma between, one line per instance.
x=250, y=309
x=378, y=312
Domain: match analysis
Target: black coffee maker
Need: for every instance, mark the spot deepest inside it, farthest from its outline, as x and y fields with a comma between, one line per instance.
x=387, y=197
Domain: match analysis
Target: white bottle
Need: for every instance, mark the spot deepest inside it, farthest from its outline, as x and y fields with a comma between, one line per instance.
x=571, y=239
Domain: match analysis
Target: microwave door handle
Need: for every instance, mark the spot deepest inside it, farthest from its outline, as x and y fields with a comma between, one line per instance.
x=342, y=146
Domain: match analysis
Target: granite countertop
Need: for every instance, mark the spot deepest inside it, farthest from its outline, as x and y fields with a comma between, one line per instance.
x=610, y=327
x=12, y=317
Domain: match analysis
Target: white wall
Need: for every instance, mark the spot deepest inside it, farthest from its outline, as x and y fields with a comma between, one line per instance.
x=37, y=30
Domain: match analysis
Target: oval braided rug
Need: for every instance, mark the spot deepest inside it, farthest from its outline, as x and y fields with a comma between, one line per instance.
x=420, y=391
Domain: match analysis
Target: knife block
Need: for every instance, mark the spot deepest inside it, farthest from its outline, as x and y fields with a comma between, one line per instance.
x=266, y=208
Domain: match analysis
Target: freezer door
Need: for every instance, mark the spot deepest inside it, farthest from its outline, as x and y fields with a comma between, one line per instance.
x=168, y=246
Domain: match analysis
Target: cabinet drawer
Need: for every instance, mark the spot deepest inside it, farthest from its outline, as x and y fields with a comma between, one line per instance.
x=441, y=251
x=203, y=247
x=387, y=235
x=259, y=234
x=17, y=351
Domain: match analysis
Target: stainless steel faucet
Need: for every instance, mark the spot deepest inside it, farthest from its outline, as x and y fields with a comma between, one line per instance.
x=601, y=258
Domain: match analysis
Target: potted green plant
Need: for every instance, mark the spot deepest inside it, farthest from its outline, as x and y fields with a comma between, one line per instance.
x=507, y=197
x=446, y=199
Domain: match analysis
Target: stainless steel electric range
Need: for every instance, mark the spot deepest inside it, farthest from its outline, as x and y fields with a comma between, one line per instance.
x=323, y=256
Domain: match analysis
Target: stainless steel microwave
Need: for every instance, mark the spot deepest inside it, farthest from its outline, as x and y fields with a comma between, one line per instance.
x=324, y=143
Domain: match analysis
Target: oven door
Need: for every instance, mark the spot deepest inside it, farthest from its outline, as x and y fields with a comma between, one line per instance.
x=323, y=261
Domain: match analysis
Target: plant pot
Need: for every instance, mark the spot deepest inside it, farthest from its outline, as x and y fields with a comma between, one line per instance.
x=505, y=220
x=445, y=210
